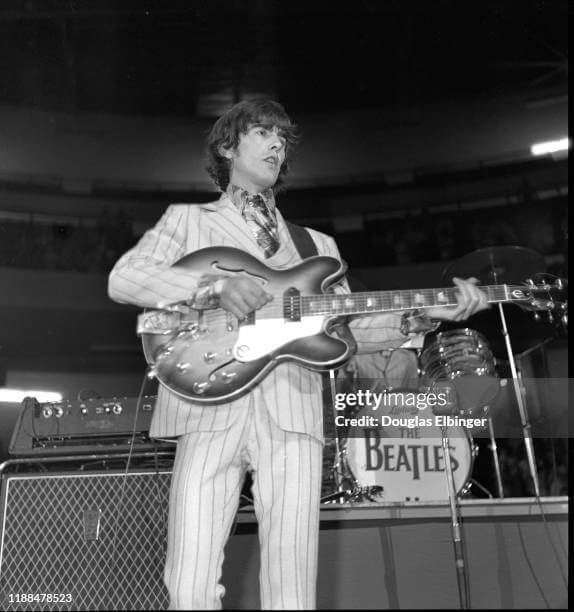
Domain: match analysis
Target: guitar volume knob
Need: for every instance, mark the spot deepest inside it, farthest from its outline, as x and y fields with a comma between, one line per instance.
x=183, y=367
x=227, y=377
x=209, y=357
x=200, y=387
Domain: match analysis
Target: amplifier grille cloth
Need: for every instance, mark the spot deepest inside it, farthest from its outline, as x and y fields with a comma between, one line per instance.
x=44, y=549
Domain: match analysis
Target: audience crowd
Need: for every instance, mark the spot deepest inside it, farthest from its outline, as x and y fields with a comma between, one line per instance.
x=93, y=247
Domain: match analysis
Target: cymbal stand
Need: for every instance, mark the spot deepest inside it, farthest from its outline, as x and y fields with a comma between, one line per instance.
x=494, y=451
x=521, y=399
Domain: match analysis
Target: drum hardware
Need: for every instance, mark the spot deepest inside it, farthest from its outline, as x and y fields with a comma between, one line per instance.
x=464, y=357
x=521, y=400
x=336, y=469
x=349, y=489
x=505, y=264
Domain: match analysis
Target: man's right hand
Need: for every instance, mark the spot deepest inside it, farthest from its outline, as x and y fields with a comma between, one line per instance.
x=242, y=295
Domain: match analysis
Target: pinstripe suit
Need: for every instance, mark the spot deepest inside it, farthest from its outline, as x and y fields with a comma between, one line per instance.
x=276, y=429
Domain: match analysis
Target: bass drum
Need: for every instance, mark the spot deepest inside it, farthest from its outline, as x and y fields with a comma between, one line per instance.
x=405, y=459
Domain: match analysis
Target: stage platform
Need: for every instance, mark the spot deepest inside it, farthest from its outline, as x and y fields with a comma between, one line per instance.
x=401, y=556
x=388, y=555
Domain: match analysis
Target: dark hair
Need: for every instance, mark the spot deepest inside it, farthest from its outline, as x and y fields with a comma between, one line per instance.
x=238, y=120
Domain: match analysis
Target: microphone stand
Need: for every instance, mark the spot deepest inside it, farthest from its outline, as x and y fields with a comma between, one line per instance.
x=494, y=451
x=463, y=591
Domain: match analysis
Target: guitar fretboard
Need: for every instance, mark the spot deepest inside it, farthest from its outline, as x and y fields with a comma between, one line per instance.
x=382, y=301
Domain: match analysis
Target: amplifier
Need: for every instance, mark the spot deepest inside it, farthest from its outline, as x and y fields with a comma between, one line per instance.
x=82, y=426
x=83, y=541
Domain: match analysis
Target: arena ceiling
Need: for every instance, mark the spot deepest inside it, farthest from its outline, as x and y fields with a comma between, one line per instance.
x=192, y=58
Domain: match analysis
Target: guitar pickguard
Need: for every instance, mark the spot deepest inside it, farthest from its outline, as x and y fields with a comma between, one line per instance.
x=267, y=336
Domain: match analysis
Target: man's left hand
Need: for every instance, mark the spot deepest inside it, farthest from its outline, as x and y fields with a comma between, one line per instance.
x=470, y=301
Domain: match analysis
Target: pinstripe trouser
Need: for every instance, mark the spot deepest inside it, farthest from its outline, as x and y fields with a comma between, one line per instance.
x=206, y=485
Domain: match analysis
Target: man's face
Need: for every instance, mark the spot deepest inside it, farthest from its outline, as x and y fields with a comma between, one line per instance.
x=257, y=160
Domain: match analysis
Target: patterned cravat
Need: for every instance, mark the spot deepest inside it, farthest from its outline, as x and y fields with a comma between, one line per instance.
x=262, y=223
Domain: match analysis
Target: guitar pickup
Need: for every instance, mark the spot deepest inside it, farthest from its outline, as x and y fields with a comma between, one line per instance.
x=292, y=305
x=158, y=322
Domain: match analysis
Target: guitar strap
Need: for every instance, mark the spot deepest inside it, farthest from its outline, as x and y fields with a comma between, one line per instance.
x=307, y=248
x=304, y=244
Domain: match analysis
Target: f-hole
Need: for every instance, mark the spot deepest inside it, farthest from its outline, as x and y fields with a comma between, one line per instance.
x=239, y=272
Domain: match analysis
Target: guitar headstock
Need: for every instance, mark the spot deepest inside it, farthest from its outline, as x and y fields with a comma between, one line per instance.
x=545, y=293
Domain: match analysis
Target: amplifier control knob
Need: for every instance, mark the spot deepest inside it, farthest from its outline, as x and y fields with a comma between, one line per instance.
x=117, y=409
x=84, y=410
x=47, y=412
x=58, y=412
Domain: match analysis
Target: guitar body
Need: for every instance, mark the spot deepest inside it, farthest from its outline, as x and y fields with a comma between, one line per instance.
x=212, y=357
x=208, y=356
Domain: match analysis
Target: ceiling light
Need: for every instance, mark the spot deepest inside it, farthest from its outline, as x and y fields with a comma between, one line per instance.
x=551, y=146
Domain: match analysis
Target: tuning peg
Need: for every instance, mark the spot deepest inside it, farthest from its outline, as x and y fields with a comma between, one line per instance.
x=559, y=283
x=564, y=319
x=530, y=282
x=537, y=316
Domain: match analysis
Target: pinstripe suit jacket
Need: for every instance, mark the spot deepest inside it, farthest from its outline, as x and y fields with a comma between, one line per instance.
x=144, y=277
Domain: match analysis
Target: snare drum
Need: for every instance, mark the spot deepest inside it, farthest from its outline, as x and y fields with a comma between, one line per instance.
x=408, y=462
x=463, y=356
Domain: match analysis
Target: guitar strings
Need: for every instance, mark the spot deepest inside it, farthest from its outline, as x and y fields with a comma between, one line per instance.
x=358, y=303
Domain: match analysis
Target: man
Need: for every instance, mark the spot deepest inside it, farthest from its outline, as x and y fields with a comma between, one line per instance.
x=275, y=430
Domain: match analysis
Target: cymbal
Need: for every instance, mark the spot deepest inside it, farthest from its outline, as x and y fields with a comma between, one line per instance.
x=497, y=264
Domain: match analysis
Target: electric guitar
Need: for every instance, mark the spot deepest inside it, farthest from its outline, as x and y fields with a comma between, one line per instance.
x=210, y=356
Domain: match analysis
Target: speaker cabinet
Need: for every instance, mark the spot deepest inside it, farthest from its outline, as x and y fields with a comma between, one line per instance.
x=84, y=541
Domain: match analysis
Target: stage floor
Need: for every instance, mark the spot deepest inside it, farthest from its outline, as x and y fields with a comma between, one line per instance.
x=401, y=556
x=415, y=510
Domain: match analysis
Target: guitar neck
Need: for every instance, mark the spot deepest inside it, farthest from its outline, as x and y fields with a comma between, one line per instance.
x=388, y=301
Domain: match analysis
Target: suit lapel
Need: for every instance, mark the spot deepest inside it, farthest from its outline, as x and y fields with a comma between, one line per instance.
x=223, y=218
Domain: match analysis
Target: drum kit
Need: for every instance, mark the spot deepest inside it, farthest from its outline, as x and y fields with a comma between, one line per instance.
x=412, y=455
x=398, y=461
